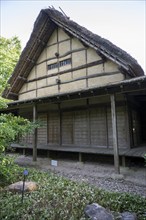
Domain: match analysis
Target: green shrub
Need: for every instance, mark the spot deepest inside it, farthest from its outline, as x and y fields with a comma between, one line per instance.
x=10, y=128
x=59, y=198
x=9, y=171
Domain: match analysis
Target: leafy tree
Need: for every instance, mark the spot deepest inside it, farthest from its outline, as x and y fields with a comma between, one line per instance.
x=10, y=50
x=10, y=126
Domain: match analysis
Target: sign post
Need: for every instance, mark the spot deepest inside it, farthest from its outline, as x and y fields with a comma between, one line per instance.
x=25, y=173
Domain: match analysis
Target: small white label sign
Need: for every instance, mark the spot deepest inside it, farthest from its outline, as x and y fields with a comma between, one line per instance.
x=54, y=163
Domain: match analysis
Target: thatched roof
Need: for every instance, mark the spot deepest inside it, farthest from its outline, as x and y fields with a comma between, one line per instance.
x=45, y=24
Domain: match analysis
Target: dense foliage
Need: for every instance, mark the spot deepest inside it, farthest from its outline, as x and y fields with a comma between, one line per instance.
x=10, y=126
x=9, y=171
x=59, y=198
x=9, y=54
x=10, y=50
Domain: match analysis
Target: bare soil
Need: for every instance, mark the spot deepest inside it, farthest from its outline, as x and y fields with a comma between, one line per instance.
x=131, y=180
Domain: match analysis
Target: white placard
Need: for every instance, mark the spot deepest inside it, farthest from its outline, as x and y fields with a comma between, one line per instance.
x=54, y=163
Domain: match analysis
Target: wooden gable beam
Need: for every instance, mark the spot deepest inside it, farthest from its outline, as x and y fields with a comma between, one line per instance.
x=22, y=78
x=13, y=94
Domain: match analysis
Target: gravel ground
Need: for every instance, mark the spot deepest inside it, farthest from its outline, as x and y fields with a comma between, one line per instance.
x=131, y=180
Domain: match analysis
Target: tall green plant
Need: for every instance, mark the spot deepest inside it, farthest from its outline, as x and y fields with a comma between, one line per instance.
x=10, y=126
x=10, y=50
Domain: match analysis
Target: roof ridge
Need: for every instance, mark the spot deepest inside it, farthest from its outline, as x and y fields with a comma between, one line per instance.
x=44, y=26
x=103, y=45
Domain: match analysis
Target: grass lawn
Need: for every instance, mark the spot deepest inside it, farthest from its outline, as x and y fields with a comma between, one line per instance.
x=58, y=198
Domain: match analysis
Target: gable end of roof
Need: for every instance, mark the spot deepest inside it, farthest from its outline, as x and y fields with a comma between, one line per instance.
x=45, y=24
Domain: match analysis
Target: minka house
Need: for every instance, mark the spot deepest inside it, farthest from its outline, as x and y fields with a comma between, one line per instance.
x=89, y=94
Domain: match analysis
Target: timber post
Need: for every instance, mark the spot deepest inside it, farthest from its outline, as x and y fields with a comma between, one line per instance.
x=115, y=134
x=35, y=134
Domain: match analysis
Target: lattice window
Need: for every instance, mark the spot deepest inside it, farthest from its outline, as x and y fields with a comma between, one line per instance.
x=52, y=66
x=64, y=62
x=60, y=64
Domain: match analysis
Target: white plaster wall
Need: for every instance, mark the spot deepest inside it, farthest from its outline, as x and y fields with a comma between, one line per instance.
x=47, y=91
x=52, y=80
x=79, y=73
x=32, y=74
x=73, y=86
x=62, y=35
x=95, y=69
x=41, y=69
x=109, y=66
x=66, y=77
x=51, y=50
x=92, y=55
x=28, y=95
x=42, y=82
x=54, y=60
x=64, y=47
x=24, y=88
x=105, y=80
x=53, y=38
x=42, y=57
x=31, y=85
x=76, y=44
x=78, y=58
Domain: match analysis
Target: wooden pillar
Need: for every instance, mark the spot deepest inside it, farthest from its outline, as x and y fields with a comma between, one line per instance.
x=123, y=161
x=80, y=157
x=48, y=153
x=60, y=125
x=35, y=134
x=115, y=134
x=24, y=151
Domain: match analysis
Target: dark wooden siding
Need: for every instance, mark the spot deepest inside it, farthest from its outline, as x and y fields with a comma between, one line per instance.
x=67, y=128
x=91, y=127
x=88, y=127
x=109, y=128
x=53, y=128
x=98, y=127
x=136, y=127
x=81, y=128
x=42, y=130
x=123, y=137
x=122, y=127
x=27, y=138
